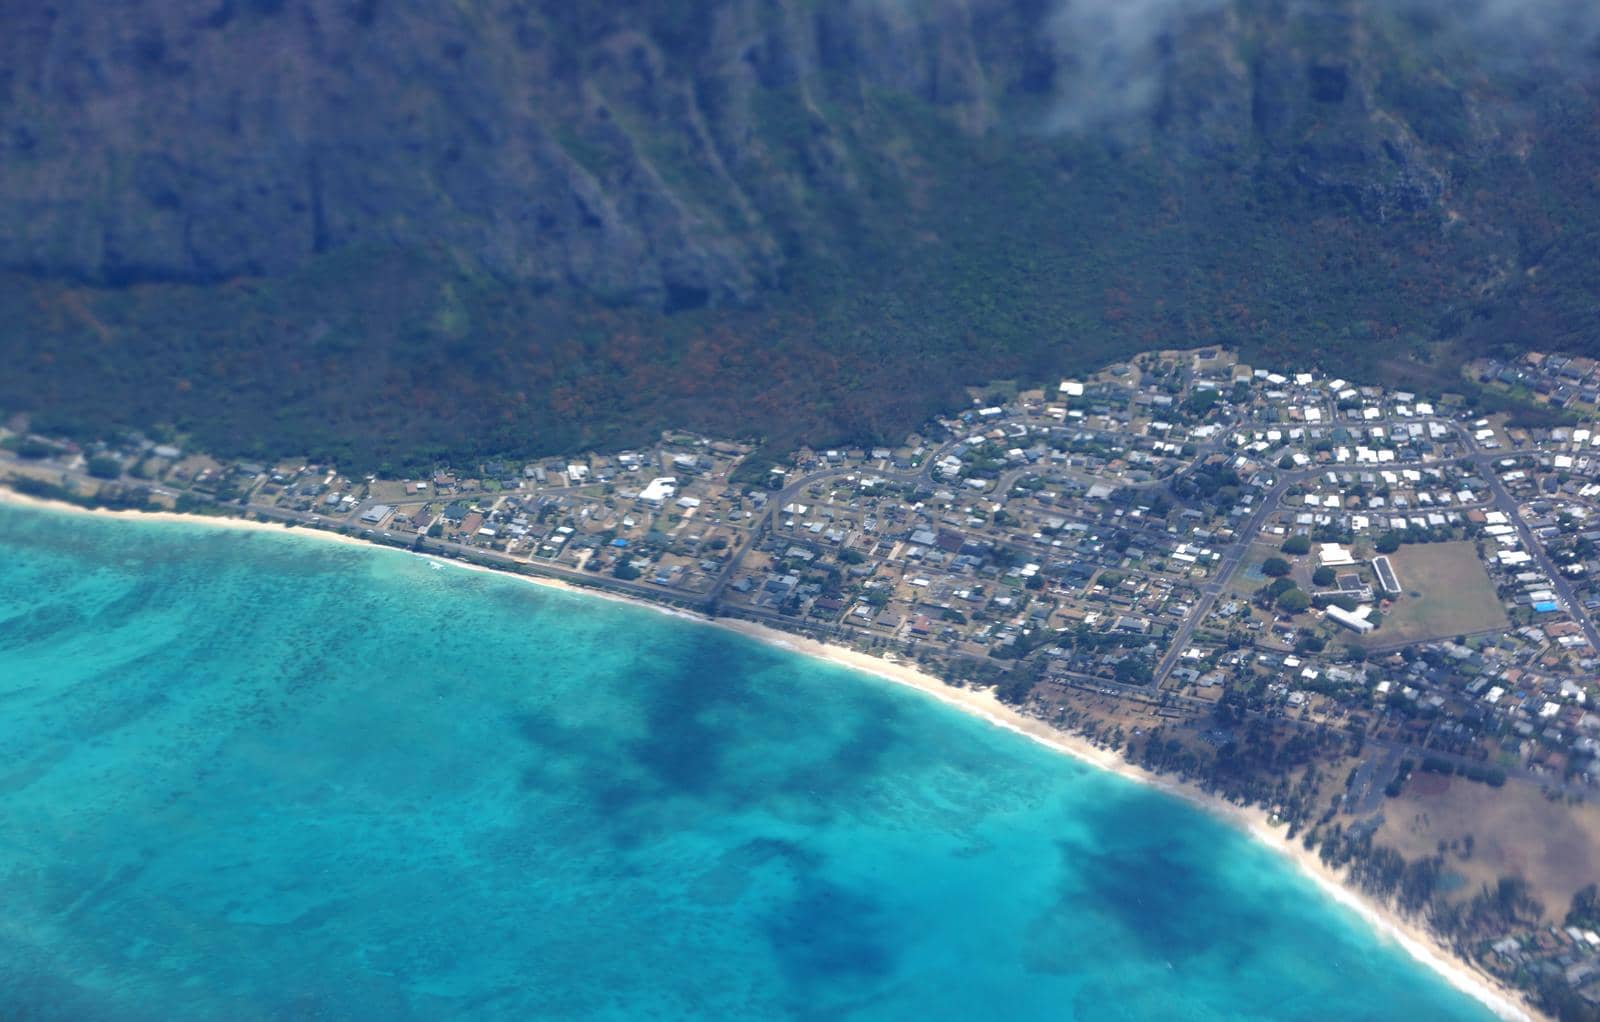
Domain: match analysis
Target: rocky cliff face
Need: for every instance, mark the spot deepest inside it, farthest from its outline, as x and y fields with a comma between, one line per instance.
x=386, y=232
x=148, y=141
x=667, y=153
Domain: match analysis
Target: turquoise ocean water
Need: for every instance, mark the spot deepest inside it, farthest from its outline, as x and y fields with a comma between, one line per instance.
x=245, y=776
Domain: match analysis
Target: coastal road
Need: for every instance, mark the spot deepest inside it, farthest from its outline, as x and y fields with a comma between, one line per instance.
x=658, y=595
x=318, y=521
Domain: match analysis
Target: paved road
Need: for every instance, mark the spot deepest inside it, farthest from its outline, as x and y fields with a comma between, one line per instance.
x=1503, y=501
x=310, y=519
x=778, y=499
x=1377, y=769
x=1499, y=500
x=1232, y=556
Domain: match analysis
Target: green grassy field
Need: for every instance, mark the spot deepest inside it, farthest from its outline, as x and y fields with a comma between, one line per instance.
x=1248, y=578
x=1446, y=593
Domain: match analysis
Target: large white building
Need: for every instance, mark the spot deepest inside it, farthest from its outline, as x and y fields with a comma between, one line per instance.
x=658, y=490
x=1386, y=576
x=1355, y=620
x=1333, y=555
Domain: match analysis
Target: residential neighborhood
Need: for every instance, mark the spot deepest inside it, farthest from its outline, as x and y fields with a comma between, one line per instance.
x=1189, y=559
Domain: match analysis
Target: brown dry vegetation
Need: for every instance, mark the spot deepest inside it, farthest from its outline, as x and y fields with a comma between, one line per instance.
x=1565, y=857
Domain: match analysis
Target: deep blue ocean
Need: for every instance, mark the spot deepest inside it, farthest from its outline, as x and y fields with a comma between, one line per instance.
x=245, y=776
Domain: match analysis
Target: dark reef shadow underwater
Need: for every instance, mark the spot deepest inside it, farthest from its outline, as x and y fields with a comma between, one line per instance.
x=246, y=776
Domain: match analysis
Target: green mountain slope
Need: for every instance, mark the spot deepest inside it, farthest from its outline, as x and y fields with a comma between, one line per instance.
x=388, y=232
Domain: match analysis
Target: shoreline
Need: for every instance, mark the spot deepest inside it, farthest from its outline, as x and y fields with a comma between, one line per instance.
x=11, y=498
x=1421, y=944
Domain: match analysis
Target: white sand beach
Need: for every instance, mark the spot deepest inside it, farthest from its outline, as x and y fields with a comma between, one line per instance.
x=1417, y=941
x=15, y=499
x=1412, y=936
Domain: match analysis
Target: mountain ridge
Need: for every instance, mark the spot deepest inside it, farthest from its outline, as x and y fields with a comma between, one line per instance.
x=836, y=193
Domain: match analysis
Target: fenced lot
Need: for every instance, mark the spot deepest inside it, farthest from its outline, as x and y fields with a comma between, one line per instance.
x=1445, y=591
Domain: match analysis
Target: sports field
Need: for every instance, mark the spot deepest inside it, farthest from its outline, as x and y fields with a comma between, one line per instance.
x=1444, y=592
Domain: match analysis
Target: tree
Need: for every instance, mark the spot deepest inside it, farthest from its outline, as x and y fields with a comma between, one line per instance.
x=1201, y=401
x=1133, y=670
x=1297, y=545
x=1013, y=689
x=104, y=466
x=1585, y=910
x=1275, y=567
x=1387, y=543
x=1293, y=601
x=1278, y=586
x=1323, y=576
